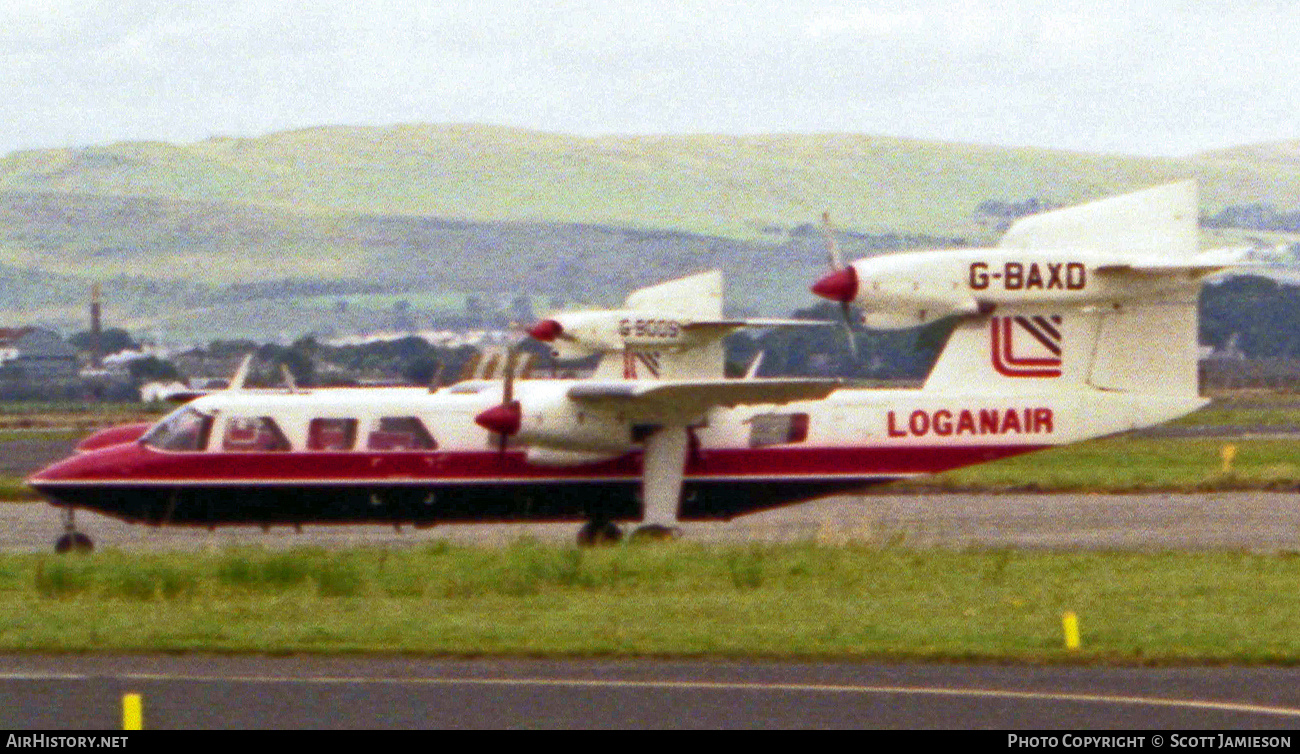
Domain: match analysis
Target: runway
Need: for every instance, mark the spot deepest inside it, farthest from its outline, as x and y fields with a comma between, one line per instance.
x=1250, y=521
x=210, y=692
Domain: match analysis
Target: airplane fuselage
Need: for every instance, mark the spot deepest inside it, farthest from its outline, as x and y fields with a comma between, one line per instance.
x=334, y=456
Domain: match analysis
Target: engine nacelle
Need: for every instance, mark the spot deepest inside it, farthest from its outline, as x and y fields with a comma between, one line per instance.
x=580, y=334
x=549, y=419
x=539, y=456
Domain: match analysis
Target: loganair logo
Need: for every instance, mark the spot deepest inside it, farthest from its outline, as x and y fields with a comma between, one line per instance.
x=1026, y=346
x=647, y=361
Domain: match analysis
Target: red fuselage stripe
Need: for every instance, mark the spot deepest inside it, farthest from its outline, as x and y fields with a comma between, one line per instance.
x=147, y=466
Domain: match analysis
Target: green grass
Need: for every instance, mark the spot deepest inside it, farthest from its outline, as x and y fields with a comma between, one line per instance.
x=60, y=418
x=1273, y=418
x=74, y=408
x=1130, y=464
x=12, y=489
x=862, y=600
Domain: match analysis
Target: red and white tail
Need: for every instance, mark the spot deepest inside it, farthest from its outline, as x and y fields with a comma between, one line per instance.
x=697, y=297
x=1133, y=344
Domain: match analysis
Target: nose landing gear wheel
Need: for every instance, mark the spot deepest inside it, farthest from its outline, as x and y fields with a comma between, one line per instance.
x=72, y=540
x=595, y=533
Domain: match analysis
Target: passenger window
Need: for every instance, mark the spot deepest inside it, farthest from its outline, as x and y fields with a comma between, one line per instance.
x=400, y=433
x=253, y=434
x=186, y=429
x=331, y=434
x=777, y=429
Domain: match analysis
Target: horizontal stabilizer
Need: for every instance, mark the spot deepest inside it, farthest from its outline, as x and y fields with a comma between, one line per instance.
x=720, y=328
x=734, y=323
x=1206, y=262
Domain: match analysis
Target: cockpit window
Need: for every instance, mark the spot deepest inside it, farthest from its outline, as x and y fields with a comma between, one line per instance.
x=253, y=434
x=185, y=429
x=400, y=433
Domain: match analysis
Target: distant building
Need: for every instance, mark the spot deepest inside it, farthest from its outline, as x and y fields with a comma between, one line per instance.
x=37, y=354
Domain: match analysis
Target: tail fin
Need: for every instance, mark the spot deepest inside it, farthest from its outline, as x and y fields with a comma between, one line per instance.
x=1132, y=344
x=1160, y=220
x=694, y=297
x=698, y=296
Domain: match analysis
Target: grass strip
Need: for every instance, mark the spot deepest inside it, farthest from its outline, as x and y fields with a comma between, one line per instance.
x=15, y=490
x=803, y=600
x=1131, y=464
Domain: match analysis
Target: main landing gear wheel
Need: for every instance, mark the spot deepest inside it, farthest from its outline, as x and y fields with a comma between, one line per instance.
x=655, y=533
x=72, y=540
x=595, y=533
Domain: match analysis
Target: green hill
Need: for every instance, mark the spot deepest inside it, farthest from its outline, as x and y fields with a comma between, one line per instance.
x=445, y=211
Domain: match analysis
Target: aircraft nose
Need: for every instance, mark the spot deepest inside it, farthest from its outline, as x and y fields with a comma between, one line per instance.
x=113, y=436
x=841, y=285
x=503, y=419
x=546, y=330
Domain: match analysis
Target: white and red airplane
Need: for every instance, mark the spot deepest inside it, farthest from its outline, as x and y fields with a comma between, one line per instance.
x=1103, y=340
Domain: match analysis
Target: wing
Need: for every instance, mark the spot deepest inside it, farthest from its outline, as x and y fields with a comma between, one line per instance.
x=684, y=401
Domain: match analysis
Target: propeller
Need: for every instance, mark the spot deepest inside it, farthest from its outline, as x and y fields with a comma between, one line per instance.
x=840, y=285
x=505, y=418
x=549, y=331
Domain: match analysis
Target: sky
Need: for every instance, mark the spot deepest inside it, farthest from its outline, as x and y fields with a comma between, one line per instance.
x=1157, y=77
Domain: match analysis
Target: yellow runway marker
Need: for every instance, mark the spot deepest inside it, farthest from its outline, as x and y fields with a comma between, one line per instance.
x=1070, y=622
x=132, y=712
x=1228, y=453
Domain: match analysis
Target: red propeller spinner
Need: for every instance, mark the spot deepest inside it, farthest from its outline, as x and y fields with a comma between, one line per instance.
x=841, y=285
x=503, y=419
x=547, y=330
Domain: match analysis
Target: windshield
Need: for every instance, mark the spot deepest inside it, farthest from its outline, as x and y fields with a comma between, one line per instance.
x=183, y=429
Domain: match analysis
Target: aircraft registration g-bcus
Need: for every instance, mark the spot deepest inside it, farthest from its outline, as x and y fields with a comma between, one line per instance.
x=1102, y=341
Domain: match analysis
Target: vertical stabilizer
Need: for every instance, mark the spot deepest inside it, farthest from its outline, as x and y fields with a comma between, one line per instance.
x=1141, y=339
x=1028, y=348
x=697, y=297
x=1160, y=220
